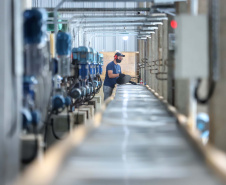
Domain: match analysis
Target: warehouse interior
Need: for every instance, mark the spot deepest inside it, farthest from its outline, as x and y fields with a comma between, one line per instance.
x=164, y=120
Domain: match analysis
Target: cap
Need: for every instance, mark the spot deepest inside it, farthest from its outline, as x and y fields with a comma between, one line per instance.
x=119, y=54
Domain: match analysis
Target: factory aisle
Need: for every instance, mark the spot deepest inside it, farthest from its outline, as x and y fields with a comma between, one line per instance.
x=138, y=143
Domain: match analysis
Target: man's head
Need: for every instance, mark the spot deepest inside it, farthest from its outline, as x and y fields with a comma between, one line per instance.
x=118, y=57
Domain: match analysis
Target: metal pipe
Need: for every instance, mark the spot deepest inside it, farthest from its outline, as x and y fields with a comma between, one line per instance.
x=113, y=35
x=167, y=11
x=194, y=7
x=93, y=20
x=110, y=25
x=96, y=9
x=125, y=25
x=119, y=30
x=102, y=16
x=113, y=17
x=115, y=0
x=114, y=24
x=107, y=21
x=149, y=28
x=112, y=32
x=124, y=34
x=122, y=16
x=146, y=22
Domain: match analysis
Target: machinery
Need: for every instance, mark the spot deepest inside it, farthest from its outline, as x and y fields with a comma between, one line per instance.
x=60, y=99
x=144, y=133
x=45, y=90
x=37, y=74
x=79, y=88
x=85, y=83
x=100, y=64
x=99, y=70
x=92, y=69
x=36, y=82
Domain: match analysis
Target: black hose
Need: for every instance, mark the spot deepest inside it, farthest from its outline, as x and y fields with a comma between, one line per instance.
x=45, y=136
x=76, y=123
x=209, y=95
x=214, y=56
x=68, y=119
x=53, y=131
x=53, y=128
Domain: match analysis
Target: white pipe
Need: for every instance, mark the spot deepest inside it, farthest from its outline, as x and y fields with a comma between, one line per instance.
x=26, y=4
x=194, y=7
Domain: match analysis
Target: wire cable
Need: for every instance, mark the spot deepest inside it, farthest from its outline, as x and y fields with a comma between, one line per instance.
x=209, y=95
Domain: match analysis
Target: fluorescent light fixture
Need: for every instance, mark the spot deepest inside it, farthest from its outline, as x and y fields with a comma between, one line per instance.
x=125, y=37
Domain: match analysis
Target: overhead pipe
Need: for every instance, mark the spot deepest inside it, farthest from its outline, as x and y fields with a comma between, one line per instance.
x=120, y=25
x=104, y=16
x=111, y=18
x=96, y=9
x=119, y=30
x=145, y=21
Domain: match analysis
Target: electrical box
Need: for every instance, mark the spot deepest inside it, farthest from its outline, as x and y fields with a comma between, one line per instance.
x=191, y=52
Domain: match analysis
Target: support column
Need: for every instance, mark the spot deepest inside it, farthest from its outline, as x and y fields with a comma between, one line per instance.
x=217, y=103
x=156, y=57
x=141, y=56
x=11, y=89
x=165, y=57
x=148, y=76
x=141, y=44
x=152, y=59
x=170, y=65
x=160, y=45
x=182, y=92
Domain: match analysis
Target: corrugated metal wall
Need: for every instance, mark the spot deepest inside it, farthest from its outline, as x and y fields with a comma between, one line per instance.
x=99, y=41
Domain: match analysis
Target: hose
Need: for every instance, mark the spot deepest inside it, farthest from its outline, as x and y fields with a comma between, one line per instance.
x=53, y=128
x=209, y=95
x=53, y=131
x=214, y=57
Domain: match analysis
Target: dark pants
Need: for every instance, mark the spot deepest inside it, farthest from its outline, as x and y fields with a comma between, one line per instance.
x=107, y=92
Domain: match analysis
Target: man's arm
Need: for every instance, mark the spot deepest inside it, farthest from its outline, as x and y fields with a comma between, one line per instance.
x=111, y=75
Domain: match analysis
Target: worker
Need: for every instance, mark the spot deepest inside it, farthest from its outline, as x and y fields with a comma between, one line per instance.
x=113, y=71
